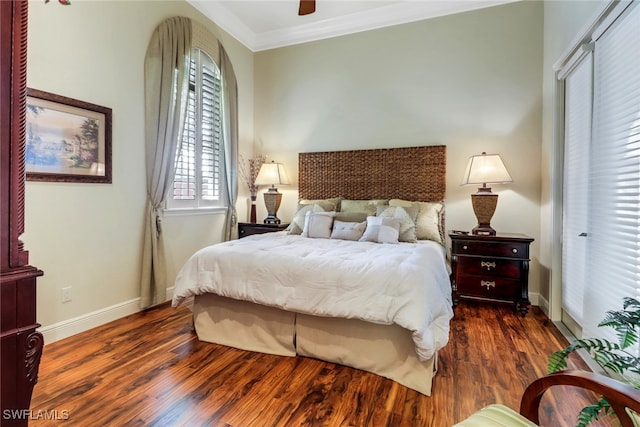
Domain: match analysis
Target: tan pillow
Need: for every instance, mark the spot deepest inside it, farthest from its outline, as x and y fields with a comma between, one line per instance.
x=351, y=217
x=381, y=230
x=297, y=223
x=368, y=206
x=348, y=230
x=429, y=222
x=406, y=216
x=318, y=225
x=327, y=204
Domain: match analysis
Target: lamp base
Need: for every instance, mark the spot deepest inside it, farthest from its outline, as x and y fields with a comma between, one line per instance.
x=483, y=230
x=272, y=199
x=484, y=204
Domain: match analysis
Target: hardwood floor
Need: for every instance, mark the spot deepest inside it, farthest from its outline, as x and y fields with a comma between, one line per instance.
x=150, y=369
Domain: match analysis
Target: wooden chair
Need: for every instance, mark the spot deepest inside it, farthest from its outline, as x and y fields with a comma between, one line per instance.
x=624, y=400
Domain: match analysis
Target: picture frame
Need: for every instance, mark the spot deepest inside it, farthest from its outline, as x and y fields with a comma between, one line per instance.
x=67, y=140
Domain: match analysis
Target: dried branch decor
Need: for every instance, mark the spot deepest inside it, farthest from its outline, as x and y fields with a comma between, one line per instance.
x=249, y=169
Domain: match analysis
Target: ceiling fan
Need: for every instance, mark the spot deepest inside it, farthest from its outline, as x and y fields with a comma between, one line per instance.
x=306, y=7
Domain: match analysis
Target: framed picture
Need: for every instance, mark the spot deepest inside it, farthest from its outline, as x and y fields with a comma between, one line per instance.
x=67, y=140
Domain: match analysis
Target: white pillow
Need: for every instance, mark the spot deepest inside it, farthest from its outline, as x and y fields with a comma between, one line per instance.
x=297, y=224
x=381, y=230
x=348, y=230
x=318, y=225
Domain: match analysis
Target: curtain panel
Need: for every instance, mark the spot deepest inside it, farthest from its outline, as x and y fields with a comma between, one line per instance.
x=166, y=70
x=230, y=137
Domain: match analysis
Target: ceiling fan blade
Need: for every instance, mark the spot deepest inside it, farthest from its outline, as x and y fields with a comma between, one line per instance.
x=307, y=7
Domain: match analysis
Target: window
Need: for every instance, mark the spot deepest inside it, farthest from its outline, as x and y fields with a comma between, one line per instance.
x=198, y=180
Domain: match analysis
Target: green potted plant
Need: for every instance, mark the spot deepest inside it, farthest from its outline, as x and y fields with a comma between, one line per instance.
x=614, y=357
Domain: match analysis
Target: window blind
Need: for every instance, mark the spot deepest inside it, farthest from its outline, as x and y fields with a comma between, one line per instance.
x=613, y=268
x=577, y=139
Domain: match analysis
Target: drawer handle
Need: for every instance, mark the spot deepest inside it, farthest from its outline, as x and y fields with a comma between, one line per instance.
x=487, y=264
x=514, y=250
x=491, y=284
x=465, y=247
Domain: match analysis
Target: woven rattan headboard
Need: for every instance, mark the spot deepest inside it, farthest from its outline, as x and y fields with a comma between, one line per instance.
x=411, y=173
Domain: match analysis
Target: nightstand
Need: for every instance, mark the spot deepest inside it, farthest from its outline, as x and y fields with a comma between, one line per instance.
x=248, y=228
x=491, y=268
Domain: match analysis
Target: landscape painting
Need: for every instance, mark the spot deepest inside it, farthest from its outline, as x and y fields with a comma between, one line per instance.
x=66, y=140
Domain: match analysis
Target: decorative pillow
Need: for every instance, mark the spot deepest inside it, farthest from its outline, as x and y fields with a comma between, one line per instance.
x=351, y=216
x=327, y=204
x=368, y=206
x=297, y=223
x=429, y=222
x=348, y=230
x=407, y=217
x=381, y=229
x=318, y=224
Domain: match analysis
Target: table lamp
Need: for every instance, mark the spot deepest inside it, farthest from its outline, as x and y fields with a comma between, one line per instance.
x=485, y=169
x=272, y=174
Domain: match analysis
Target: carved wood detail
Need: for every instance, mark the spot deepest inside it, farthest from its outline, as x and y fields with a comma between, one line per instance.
x=34, y=344
x=19, y=257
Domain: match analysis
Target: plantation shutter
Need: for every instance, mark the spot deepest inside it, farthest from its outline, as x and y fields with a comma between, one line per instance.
x=613, y=268
x=211, y=132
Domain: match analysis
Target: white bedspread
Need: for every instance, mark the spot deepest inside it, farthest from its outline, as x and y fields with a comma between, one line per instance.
x=405, y=284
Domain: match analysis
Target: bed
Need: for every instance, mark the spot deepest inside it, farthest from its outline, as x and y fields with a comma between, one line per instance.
x=382, y=308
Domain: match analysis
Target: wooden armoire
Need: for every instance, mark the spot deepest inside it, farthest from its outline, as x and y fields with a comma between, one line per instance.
x=21, y=345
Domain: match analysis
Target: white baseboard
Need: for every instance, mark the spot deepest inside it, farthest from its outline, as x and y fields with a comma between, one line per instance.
x=67, y=328
x=540, y=301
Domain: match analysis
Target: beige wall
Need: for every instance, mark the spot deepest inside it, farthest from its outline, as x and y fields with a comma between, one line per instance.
x=471, y=81
x=564, y=21
x=89, y=236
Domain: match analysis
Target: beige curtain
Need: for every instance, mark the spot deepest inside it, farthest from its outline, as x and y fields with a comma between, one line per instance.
x=166, y=70
x=230, y=136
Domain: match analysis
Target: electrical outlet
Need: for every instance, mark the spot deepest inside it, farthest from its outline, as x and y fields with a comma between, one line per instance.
x=66, y=294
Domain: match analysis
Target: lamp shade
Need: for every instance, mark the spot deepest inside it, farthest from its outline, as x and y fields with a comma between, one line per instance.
x=486, y=169
x=272, y=174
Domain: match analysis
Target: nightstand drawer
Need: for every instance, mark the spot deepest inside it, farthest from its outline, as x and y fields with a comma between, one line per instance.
x=489, y=287
x=499, y=249
x=250, y=228
x=490, y=266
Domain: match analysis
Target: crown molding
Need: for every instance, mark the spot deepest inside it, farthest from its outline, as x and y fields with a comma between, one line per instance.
x=226, y=20
x=395, y=14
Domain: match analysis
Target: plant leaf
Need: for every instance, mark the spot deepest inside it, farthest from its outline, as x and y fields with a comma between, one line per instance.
x=590, y=412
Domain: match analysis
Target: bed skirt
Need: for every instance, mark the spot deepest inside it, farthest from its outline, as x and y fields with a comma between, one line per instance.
x=385, y=350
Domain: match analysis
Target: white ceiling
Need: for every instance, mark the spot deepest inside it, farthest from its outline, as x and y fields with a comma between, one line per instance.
x=267, y=24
